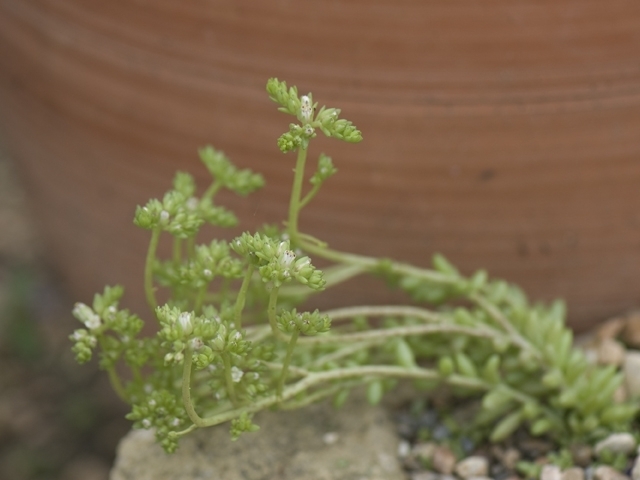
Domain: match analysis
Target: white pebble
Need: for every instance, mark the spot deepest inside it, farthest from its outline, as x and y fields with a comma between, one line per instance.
x=474, y=466
x=551, y=472
x=616, y=443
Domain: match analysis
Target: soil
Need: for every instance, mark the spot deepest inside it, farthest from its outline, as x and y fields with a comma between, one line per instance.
x=57, y=421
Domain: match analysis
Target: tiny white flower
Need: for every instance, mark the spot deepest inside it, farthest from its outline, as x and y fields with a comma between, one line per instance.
x=287, y=258
x=207, y=273
x=309, y=130
x=185, y=322
x=306, y=108
x=164, y=216
x=152, y=403
x=146, y=423
x=237, y=336
x=86, y=315
x=236, y=374
x=196, y=343
x=192, y=203
x=175, y=422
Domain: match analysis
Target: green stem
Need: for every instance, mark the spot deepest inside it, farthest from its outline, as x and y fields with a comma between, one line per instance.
x=148, y=269
x=226, y=360
x=212, y=190
x=186, y=391
x=197, y=305
x=271, y=312
x=296, y=191
x=373, y=335
x=309, y=196
x=287, y=360
x=177, y=251
x=116, y=384
x=242, y=296
x=313, y=379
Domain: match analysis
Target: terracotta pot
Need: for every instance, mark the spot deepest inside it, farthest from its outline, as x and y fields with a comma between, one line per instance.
x=504, y=135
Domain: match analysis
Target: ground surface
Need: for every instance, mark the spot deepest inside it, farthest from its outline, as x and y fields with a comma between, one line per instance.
x=57, y=420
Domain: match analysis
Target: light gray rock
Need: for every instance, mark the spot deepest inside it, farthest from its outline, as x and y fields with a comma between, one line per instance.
x=616, y=443
x=551, y=472
x=474, y=466
x=605, y=472
x=635, y=471
x=443, y=460
x=289, y=445
x=573, y=473
x=631, y=370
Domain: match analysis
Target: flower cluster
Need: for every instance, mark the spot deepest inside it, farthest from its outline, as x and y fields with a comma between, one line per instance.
x=227, y=175
x=303, y=108
x=307, y=323
x=276, y=262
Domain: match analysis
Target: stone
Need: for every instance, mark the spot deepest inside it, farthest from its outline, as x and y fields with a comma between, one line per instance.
x=289, y=445
x=474, y=466
x=610, y=352
x=631, y=370
x=611, y=328
x=573, y=473
x=616, y=443
x=427, y=475
x=443, y=460
x=605, y=472
x=631, y=332
x=635, y=471
x=581, y=454
x=550, y=472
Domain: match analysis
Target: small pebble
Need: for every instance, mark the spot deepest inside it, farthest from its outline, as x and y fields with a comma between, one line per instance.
x=605, y=472
x=631, y=332
x=474, y=466
x=423, y=450
x=635, y=471
x=443, y=460
x=330, y=438
x=551, y=472
x=582, y=455
x=616, y=443
x=611, y=352
x=573, y=473
x=424, y=476
x=631, y=370
x=511, y=458
x=404, y=448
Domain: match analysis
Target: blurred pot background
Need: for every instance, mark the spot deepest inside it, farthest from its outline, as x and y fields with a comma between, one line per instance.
x=502, y=134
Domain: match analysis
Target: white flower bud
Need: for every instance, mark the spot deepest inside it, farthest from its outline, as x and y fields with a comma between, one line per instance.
x=164, y=216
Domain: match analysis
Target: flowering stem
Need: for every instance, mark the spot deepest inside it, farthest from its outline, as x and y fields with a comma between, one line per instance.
x=287, y=361
x=226, y=360
x=197, y=307
x=148, y=269
x=186, y=390
x=242, y=296
x=296, y=191
x=371, y=371
x=212, y=190
x=271, y=312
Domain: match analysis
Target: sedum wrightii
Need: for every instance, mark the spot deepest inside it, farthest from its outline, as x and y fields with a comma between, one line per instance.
x=230, y=341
